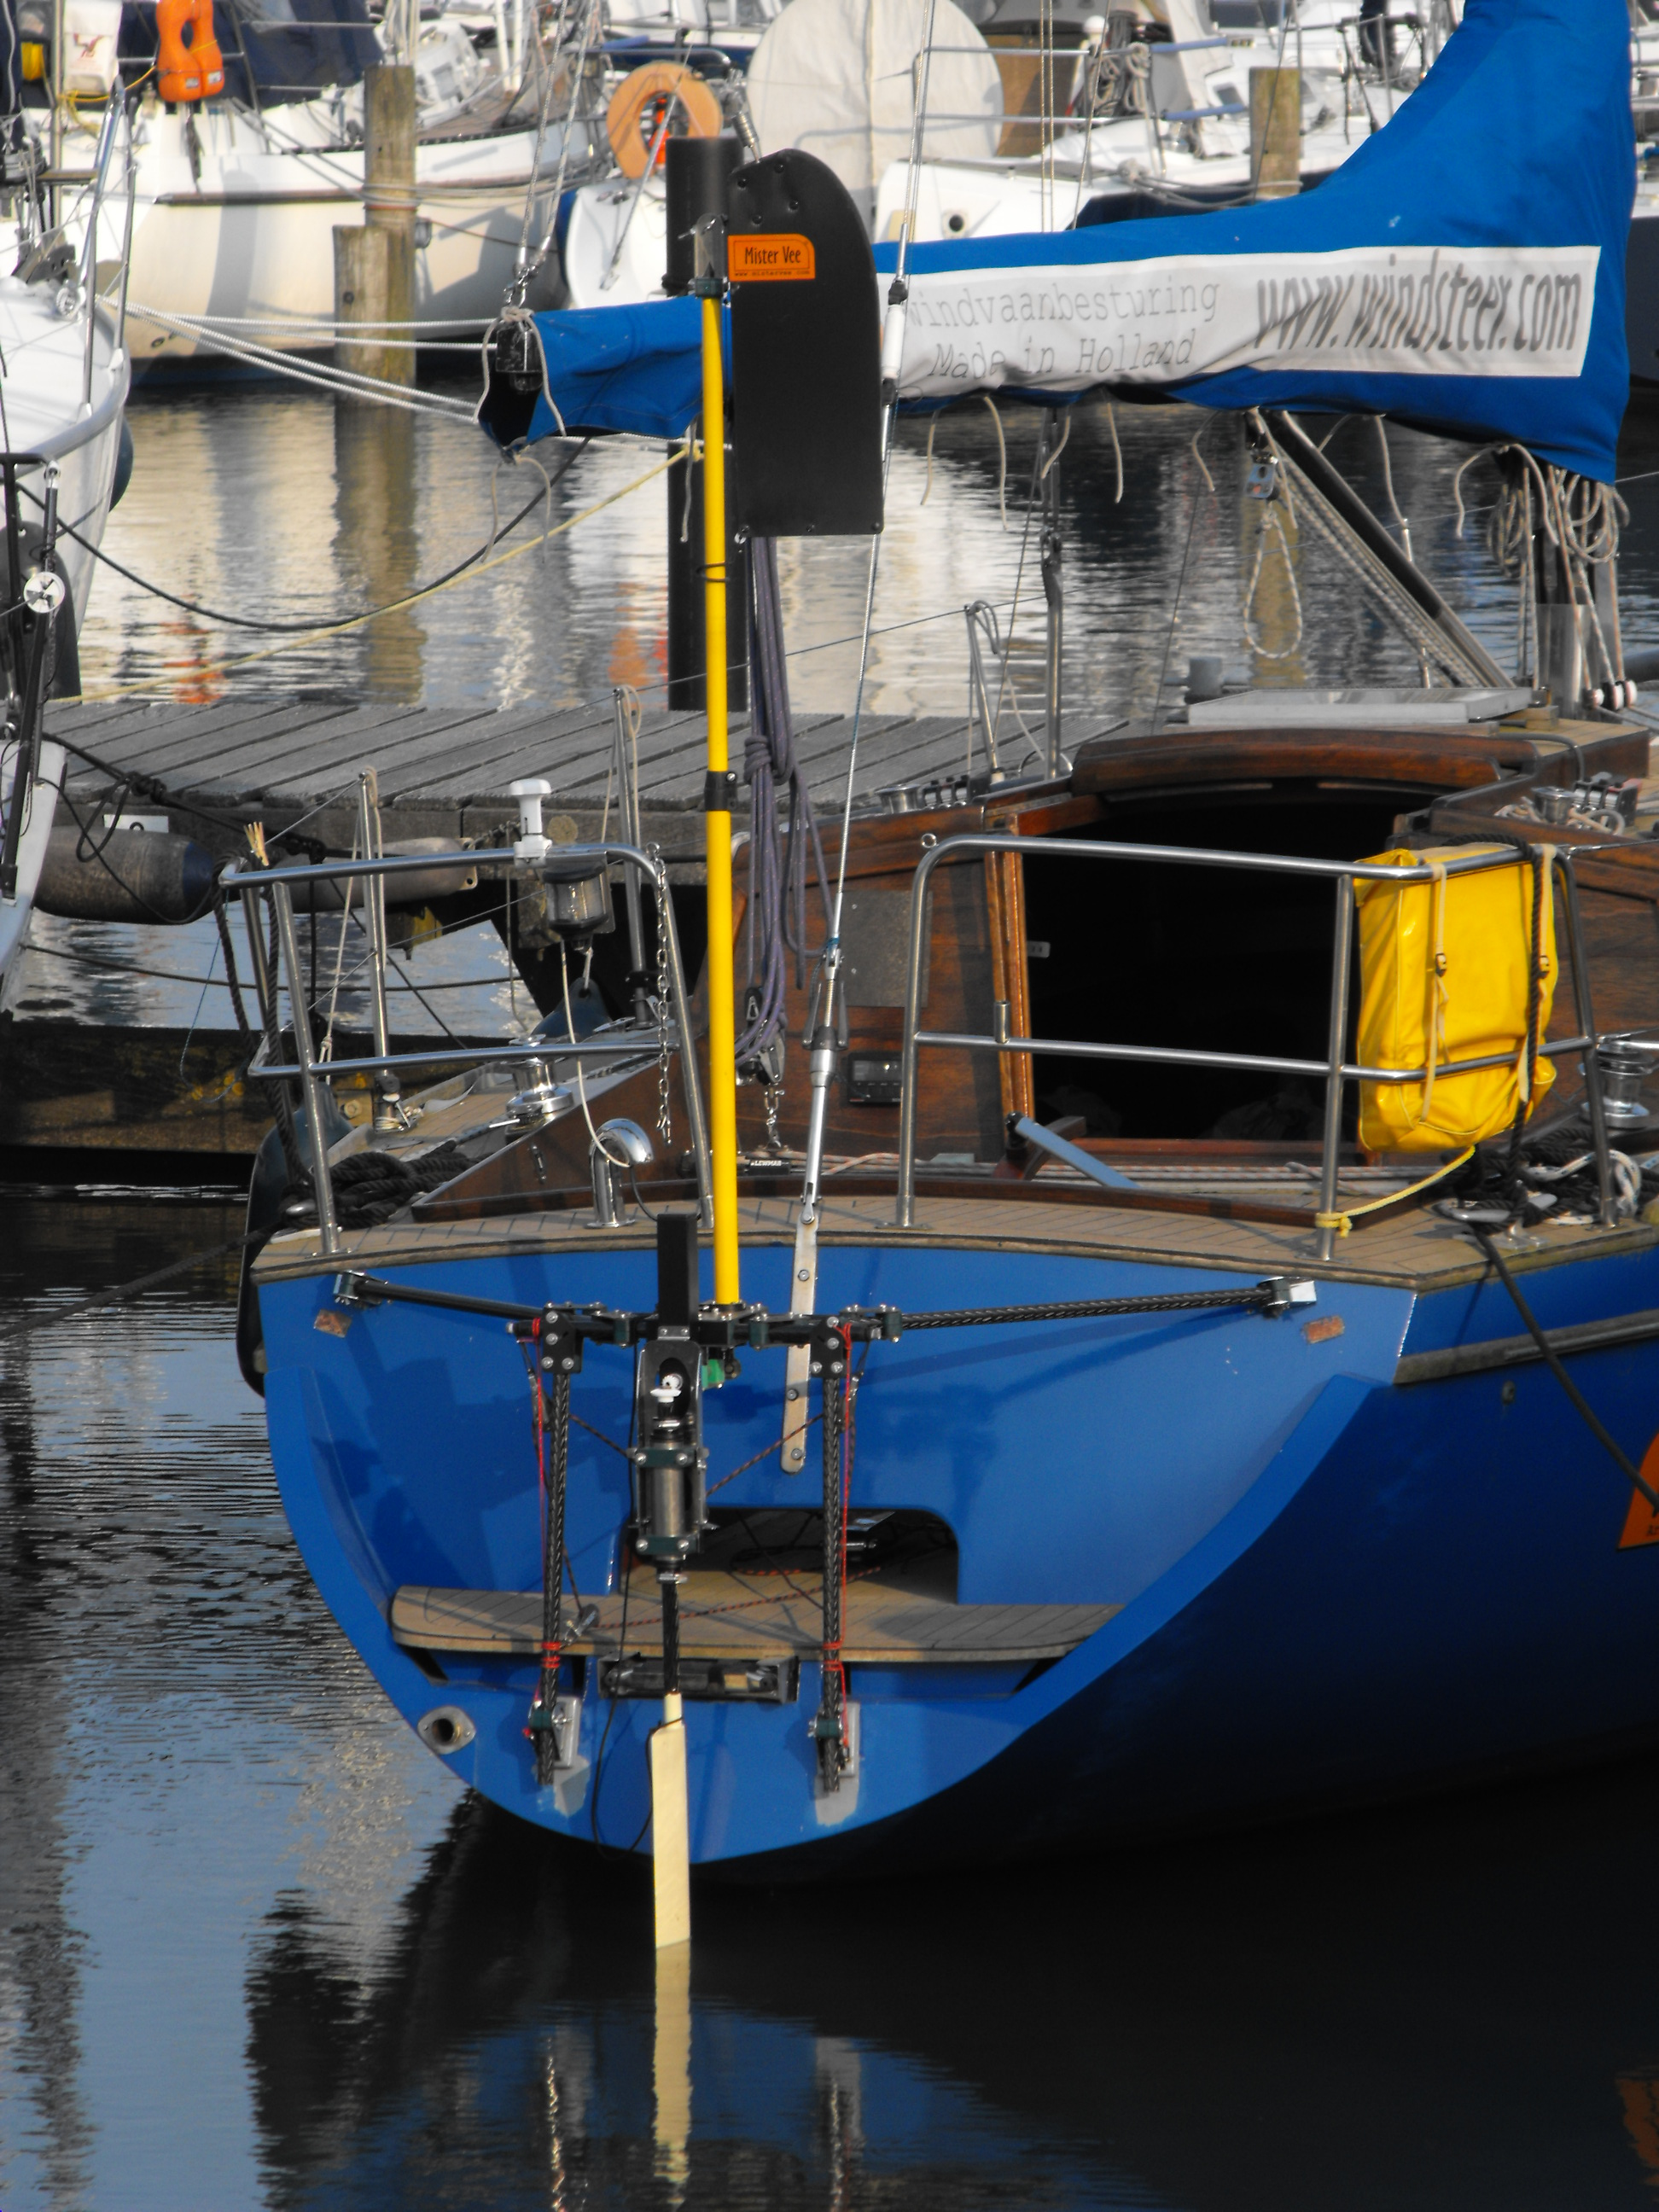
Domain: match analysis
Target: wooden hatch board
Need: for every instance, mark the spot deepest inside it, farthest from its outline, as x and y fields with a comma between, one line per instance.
x=721, y=1619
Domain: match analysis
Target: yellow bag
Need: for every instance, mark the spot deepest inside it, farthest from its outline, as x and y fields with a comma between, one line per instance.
x=1444, y=971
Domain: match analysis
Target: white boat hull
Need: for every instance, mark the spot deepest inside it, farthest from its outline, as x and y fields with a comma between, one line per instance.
x=244, y=239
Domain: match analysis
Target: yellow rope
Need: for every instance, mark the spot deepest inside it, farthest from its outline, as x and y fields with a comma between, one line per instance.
x=414, y=598
x=1342, y=1223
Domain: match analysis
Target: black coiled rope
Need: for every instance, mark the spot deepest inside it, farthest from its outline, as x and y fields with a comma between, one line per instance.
x=369, y=1187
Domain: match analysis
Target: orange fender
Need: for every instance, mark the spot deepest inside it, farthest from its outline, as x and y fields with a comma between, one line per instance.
x=194, y=71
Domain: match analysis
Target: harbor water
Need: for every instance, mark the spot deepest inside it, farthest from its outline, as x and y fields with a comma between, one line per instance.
x=257, y=1947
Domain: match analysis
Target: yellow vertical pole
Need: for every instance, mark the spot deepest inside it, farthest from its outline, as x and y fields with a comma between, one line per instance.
x=722, y=1034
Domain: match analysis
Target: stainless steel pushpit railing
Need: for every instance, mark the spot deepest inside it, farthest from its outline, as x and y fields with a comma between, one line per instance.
x=1332, y=1069
x=313, y=1075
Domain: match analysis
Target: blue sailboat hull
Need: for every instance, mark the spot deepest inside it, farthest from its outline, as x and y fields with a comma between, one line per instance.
x=1329, y=1586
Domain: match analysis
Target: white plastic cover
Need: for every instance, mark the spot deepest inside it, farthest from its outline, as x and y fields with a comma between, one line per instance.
x=837, y=78
x=91, y=31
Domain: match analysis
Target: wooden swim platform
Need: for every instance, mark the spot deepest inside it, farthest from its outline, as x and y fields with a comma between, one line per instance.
x=743, y=1616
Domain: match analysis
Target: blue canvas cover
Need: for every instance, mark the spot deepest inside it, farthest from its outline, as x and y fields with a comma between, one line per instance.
x=1464, y=270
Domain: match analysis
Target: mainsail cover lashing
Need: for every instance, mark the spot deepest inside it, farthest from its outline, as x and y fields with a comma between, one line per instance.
x=1463, y=270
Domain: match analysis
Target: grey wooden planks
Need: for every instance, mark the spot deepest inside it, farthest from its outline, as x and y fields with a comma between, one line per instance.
x=266, y=748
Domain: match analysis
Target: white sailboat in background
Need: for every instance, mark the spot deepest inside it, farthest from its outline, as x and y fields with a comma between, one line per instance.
x=1155, y=114
x=236, y=193
x=64, y=382
x=1033, y=112
x=834, y=77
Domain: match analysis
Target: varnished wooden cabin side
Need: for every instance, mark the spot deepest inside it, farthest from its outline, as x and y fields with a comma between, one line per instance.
x=1242, y=790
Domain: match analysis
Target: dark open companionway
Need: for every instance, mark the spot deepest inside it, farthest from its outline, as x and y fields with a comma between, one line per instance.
x=1218, y=961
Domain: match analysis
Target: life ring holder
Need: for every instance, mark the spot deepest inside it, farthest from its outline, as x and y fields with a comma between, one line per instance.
x=642, y=91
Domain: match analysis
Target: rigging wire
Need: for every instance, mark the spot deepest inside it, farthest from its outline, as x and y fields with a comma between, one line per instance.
x=1180, y=583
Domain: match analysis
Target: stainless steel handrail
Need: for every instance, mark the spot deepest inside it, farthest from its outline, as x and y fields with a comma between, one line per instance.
x=1335, y=1068
x=114, y=114
x=640, y=1046
x=312, y=1077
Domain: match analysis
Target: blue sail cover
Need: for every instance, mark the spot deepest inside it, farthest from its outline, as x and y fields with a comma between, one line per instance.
x=1463, y=270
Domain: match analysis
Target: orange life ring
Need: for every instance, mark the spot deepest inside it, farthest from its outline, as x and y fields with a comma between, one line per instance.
x=635, y=115
x=194, y=71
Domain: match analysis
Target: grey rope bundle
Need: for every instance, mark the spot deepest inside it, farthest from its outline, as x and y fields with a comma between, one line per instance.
x=777, y=863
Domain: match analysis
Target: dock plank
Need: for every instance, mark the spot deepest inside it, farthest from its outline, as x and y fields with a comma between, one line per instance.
x=443, y=768
x=388, y=749
x=309, y=761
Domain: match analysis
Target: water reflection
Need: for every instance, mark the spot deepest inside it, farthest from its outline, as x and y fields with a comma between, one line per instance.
x=1450, y=2008
x=303, y=510
x=256, y=1949
x=377, y=545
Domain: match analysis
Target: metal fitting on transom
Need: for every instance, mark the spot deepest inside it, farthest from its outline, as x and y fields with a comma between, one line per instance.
x=617, y=1148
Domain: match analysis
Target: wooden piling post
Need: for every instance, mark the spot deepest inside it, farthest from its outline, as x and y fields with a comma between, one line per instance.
x=362, y=256
x=1275, y=132
x=375, y=266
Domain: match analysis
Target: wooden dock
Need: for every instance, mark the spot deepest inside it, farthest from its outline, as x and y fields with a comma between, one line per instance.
x=443, y=771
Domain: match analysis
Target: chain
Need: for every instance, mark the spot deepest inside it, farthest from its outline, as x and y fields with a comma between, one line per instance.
x=665, y=1110
x=774, y=1104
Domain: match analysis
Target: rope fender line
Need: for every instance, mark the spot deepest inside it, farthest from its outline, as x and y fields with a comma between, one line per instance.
x=1552, y=1360
x=1343, y=1222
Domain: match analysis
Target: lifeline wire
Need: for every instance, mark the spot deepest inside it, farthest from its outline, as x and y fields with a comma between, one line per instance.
x=1553, y=1359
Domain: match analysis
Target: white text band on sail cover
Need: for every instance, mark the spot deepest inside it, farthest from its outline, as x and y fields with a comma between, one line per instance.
x=1402, y=311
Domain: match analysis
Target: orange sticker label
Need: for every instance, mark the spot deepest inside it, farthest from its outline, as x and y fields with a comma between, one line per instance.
x=776, y=257
x=1642, y=1522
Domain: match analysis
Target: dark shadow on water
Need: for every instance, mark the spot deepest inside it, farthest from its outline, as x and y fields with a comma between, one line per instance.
x=1453, y=2006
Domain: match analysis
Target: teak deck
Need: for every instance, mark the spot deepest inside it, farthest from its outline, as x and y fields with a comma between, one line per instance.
x=1417, y=1250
